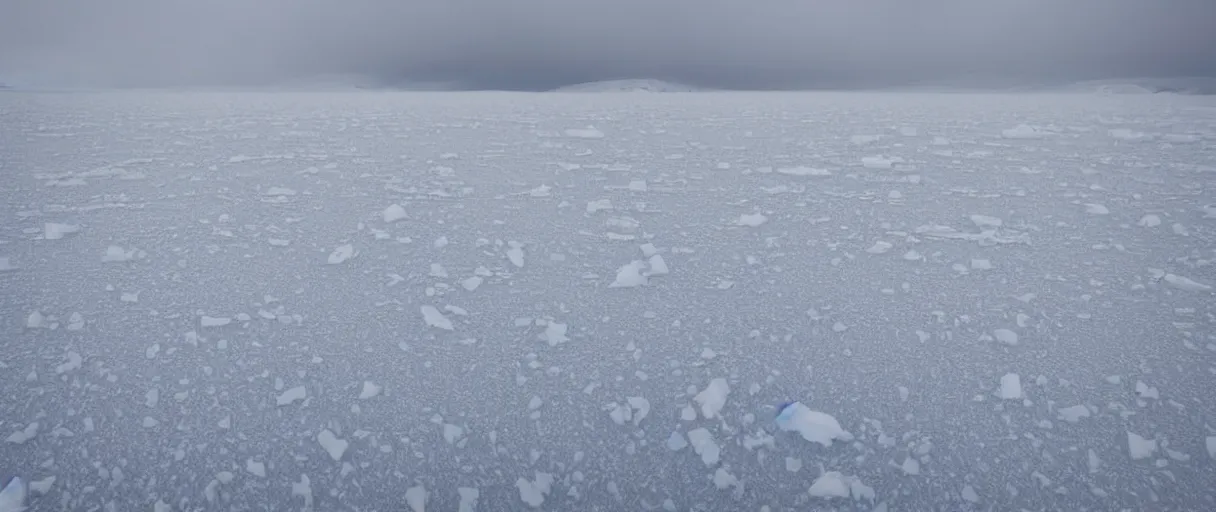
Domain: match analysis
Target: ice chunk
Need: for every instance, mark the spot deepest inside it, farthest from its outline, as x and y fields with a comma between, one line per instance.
x=713, y=397
x=393, y=213
x=658, y=267
x=1210, y=443
x=437, y=270
x=472, y=283
x=303, y=489
x=1006, y=336
x=1139, y=447
x=630, y=275
x=985, y=221
x=341, y=254
x=970, y=495
x=370, y=390
x=516, y=254
x=1011, y=387
x=1096, y=209
x=1073, y=414
x=255, y=468
x=813, y=426
x=641, y=408
x=468, y=499
x=416, y=497
x=803, y=171
x=212, y=321
x=292, y=395
x=12, y=497
x=6, y=264
x=589, y=132
x=39, y=486
x=1024, y=131
x=793, y=464
x=751, y=219
x=637, y=185
x=880, y=247
x=830, y=485
x=533, y=493
x=724, y=480
x=676, y=441
x=880, y=162
x=55, y=231
x=334, y=446
x=598, y=205
x=1149, y=221
x=434, y=318
x=1185, y=284
x=703, y=443
x=21, y=436
x=35, y=320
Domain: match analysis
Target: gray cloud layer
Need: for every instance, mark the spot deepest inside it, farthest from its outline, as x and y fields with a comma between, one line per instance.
x=537, y=44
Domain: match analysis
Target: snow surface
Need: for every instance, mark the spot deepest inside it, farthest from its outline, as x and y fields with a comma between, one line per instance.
x=379, y=300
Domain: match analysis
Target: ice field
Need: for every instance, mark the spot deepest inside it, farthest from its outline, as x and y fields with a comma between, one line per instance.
x=362, y=301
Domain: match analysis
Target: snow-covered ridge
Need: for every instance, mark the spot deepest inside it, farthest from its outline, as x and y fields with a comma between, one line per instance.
x=629, y=85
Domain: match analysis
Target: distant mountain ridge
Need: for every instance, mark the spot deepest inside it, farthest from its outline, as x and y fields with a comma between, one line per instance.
x=630, y=85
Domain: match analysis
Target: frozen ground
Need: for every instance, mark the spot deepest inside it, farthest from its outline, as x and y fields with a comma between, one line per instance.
x=598, y=302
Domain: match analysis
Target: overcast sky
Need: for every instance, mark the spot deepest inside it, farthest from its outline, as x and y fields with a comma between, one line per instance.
x=539, y=44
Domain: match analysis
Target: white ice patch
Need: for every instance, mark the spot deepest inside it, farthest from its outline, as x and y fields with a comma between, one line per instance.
x=416, y=497
x=833, y=484
x=370, y=390
x=341, y=254
x=1073, y=414
x=724, y=480
x=630, y=275
x=516, y=254
x=6, y=264
x=676, y=441
x=599, y=205
x=589, y=132
x=703, y=444
x=751, y=220
x=985, y=221
x=555, y=334
x=713, y=398
x=21, y=436
x=533, y=493
x=116, y=254
x=213, y=321
x=1024, y=131
x=1149, y=221
x=393, y=213
x=334, y=446
x=1210, y=443
x=1006, y=337
x=813, y=426
x=880, y=247
x=471, y=283
x=1185, y=283
x=880, y=162
x=803, y=171
x=468, y=499
x=298, y=393
x=1096, y=209
x=1140, y=448
x=1011, y=387
x=433, y=318
x=56, y=231
x=658, y=267
x=12, y=497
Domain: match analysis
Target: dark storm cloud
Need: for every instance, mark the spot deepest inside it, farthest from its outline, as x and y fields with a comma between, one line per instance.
x=534, y=44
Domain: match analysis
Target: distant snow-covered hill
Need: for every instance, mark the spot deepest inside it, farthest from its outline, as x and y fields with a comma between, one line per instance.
x=629, y=85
